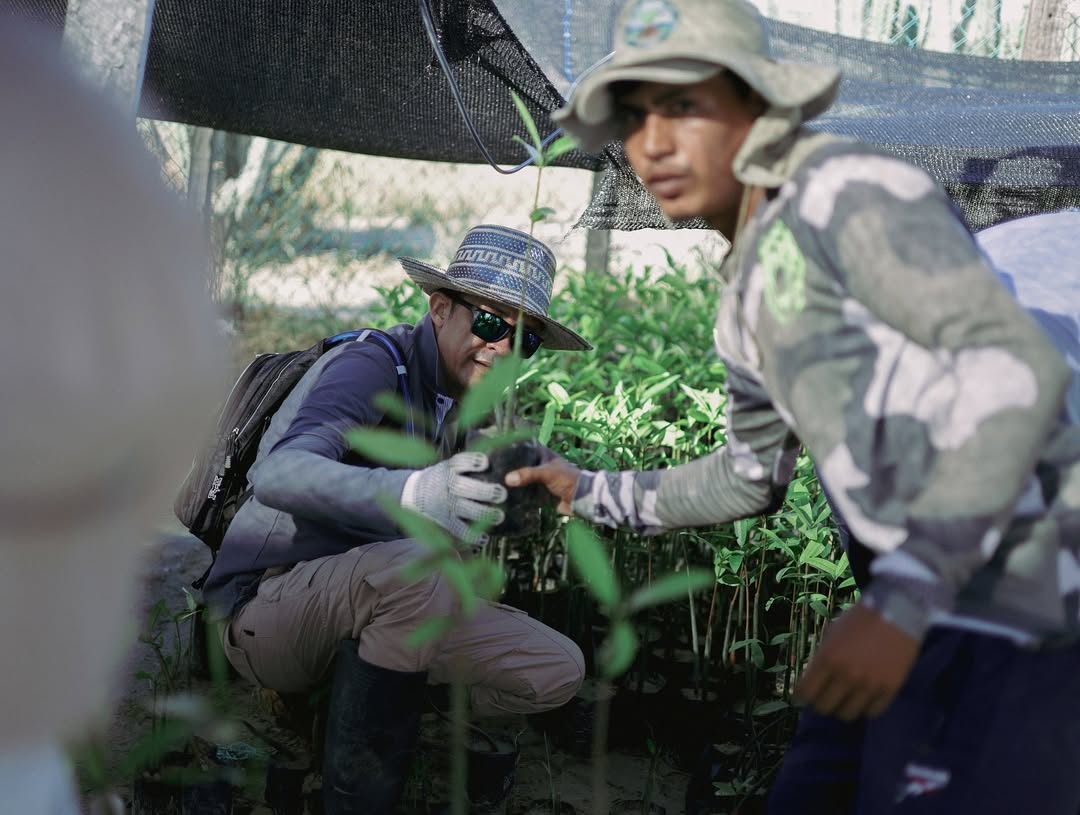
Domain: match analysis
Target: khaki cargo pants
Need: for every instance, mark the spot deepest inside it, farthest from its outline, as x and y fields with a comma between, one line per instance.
x=284, y=638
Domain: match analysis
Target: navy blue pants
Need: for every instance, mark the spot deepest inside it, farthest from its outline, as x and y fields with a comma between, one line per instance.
x=981, y=726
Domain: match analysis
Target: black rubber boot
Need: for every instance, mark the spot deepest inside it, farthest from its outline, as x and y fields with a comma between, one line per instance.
x=371, y=730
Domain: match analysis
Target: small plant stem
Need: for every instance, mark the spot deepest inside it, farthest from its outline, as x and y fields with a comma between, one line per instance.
x=690, y=597
x=728, y=625
x=519, y=328
x=792, y=655
x=163, y=661
x=502, y=553
x=711, y=620
x=458, y=724
x=601, y=711
x=646, y=798
x=746, y=613
x=803, y=643
x=757, y=598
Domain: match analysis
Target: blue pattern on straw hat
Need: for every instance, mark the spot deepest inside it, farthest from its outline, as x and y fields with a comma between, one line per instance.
x=506, y=266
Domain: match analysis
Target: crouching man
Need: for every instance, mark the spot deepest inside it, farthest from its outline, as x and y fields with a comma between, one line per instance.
x=312, y=569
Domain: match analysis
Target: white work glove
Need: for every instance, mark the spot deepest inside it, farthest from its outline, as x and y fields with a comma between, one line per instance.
x=454, y=500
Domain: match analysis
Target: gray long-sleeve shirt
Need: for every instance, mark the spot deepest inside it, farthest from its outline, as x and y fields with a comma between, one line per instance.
x=860, y=320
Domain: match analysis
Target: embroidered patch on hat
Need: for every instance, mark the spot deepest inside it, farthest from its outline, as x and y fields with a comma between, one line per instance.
x=651, y=22
x=785, y=272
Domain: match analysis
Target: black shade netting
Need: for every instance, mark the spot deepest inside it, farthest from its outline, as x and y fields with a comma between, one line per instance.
x=1002, y=136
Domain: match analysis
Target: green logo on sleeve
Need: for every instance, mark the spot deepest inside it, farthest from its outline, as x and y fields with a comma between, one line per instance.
x=785, y=272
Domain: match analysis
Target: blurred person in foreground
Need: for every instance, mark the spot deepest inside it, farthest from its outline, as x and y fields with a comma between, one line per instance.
x=106, y=359
x=860, y=320
x=1033, y=258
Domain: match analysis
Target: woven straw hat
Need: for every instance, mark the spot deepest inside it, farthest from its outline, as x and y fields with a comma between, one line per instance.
x=494, y=262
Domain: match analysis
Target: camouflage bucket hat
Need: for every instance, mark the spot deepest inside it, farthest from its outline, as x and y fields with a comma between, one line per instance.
x=681, y=42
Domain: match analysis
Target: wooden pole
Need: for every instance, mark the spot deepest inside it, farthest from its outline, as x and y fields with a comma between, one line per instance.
x=1044, y=34
x=597, y=241
x=108, y=40
x=200, y=166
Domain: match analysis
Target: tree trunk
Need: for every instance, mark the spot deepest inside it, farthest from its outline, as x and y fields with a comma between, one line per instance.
x=108, y=39
x=1044, y=34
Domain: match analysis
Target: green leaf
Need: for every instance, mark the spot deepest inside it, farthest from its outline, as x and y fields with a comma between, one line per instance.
x=827, y=567
x=540, y=213
x=724, y=789
x=487, y=577
x=391, y=448
x=148, y=751
x=419, y=568
x=429, y=631
x=482, y=397
x=558, y=393
x=765, y=708
x=392, y=405
x=459, y=578
x=527, y=119
x=811, y=550
x=670, y=587
x=216, y=662
x=559, y=147
x=590, y=559
x=619, y=649
x=416, y=526
x=727, y=559
x=548, y=425
x=663, y=384
x=485, y=443
x=757, y=656
x=536, y=156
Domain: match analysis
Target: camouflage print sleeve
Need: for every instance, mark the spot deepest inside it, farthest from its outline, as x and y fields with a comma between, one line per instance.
x=619, y=499
x=747, y=476
x=934, y=390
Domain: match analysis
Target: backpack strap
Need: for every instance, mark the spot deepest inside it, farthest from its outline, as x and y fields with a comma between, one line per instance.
x=390, y=345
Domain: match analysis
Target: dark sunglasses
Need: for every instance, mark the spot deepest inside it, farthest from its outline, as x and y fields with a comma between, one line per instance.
x=492, y=328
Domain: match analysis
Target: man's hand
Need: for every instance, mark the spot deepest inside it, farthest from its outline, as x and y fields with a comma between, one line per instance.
x=859, y=666
x=444, y=493
x=557, y=474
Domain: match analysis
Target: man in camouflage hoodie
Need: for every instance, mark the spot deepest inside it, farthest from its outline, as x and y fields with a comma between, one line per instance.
x=860, y=320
